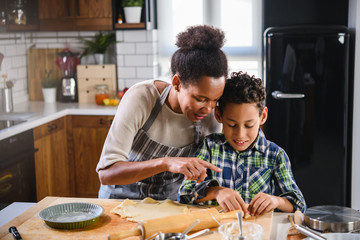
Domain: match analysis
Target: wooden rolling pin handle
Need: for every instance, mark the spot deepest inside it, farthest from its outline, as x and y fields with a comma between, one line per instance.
x=125, y=234
x=298, y=217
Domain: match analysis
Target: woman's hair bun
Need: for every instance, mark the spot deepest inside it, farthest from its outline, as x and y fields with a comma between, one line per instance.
x=200, y=37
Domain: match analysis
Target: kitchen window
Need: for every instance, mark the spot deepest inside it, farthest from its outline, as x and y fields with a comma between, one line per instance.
x=239, y=19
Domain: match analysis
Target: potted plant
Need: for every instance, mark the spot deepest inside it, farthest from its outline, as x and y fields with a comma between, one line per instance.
x=98, y=46
x=132, y=10
x=49, y=87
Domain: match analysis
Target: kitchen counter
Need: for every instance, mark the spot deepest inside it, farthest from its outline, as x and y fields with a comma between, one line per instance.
x=31, y=226
x=39, y=112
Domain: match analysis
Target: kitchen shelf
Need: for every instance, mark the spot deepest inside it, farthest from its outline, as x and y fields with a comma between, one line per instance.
x=129, y=25
x=27, y=27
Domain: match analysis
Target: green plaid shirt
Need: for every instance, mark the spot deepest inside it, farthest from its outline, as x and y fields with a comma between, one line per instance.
x=264, y=167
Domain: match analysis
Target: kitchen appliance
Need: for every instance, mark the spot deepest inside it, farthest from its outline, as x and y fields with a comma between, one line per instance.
x=17, y=169
x=67, y=62
x=306, y=81
x=332, y=218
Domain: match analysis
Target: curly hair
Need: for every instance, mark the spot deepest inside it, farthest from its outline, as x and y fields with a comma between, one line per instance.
x=199, y=54
x=242, y=88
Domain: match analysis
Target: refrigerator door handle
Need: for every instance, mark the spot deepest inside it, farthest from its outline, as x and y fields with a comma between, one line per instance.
x=281, y=95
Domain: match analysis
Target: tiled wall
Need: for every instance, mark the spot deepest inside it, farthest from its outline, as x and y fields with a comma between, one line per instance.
x=136, y=55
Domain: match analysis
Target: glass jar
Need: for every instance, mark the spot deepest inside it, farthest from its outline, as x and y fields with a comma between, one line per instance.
x=101, y=93
x=17, y=13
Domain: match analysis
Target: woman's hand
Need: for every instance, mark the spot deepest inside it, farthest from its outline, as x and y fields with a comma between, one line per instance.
x=192, y=168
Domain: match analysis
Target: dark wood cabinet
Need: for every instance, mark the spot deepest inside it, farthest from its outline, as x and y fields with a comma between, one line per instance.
x=52, y=165
x=69, y=149
x=89, y=134
x=75, y=15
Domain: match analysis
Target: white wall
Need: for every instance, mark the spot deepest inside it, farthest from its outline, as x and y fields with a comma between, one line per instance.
x=354, y=24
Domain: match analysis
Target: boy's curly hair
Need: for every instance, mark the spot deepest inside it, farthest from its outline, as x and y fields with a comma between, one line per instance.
x=242, y=88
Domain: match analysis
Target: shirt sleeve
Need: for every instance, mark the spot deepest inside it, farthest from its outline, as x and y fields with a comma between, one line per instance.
x=287, y=184
x=189, y=190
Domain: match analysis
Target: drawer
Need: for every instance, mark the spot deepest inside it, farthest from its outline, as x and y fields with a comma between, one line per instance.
x=96, y=71
x=91, y=121
x=49, y=128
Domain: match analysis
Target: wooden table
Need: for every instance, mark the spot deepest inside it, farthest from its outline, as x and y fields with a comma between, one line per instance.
x=31, y=226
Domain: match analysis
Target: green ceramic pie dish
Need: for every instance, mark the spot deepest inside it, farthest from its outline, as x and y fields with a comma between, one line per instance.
x=71, y=215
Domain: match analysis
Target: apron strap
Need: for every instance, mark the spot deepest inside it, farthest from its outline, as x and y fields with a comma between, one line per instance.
x=157, y=108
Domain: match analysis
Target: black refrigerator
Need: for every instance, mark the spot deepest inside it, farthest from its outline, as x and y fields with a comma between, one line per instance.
x=306, y=79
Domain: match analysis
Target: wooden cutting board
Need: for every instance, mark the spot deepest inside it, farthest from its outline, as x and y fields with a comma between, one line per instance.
x=31, y=226
x=39, y=60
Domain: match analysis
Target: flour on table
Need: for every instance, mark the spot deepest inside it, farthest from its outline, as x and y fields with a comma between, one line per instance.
x=148, y=209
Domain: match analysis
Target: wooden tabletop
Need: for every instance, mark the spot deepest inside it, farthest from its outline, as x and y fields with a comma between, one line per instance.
x=31, y=226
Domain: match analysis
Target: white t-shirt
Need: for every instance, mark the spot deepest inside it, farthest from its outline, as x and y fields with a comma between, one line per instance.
x=169, y=128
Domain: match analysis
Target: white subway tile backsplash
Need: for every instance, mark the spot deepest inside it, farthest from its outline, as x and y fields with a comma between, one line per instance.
x=17, y=62
x=125, y=48
x=45, y=34
x=145, y=72
x=87, y=33
x=56, y=45
x=67, y=34
x=126, y=72
x=135, y=60
x=20, y=49
x=135, y=36
x=41, y=45
x=120, y=60
x=22, y=73
x=151, y=36
x=10, y=50
x=121, y=84
x=119, y=36
x=144, y=48
x=131, y=82
x=46, y=40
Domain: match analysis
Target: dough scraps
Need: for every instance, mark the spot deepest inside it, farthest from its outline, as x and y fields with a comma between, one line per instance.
x=148, y=208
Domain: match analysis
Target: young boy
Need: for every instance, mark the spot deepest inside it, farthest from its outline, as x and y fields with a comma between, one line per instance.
x=252, y=167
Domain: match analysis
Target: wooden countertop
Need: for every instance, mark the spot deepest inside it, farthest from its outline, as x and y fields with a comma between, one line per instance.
x=31, y=226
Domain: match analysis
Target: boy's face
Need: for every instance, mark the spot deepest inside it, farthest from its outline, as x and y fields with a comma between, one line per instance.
x=241, y=123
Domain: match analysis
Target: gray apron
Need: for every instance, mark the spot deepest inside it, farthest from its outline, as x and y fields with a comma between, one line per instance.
x=161, y=186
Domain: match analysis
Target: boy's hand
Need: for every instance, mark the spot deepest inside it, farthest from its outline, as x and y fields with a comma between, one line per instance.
x=229, y=199
x=263, y=203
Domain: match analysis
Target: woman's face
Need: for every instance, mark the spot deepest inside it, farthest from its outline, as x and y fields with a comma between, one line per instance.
x=198, y=100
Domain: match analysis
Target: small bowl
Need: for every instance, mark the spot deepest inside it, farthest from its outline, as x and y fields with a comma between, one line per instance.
x=251, y=231
x=71, y=215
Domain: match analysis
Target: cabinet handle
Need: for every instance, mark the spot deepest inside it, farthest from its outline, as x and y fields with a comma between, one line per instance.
x=52, y=127
x=102, y=121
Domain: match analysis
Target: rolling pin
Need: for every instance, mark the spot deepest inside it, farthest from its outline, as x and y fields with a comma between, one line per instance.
x=175, y=224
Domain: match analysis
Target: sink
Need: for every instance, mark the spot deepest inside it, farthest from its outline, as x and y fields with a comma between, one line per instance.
x=15, y=116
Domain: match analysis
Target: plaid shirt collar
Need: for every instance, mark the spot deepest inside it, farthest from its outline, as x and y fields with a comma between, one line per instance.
x=259, y=144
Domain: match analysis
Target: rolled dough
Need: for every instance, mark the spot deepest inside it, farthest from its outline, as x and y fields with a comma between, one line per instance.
x=148, y=209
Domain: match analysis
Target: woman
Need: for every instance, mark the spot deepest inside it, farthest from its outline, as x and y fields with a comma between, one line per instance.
x=158, y=126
